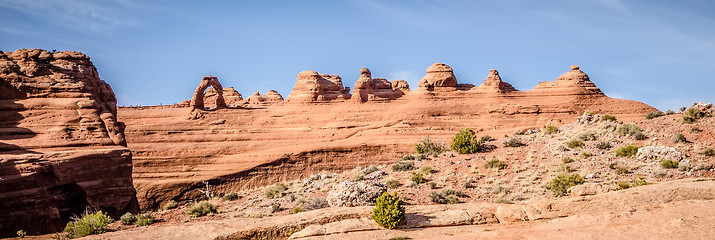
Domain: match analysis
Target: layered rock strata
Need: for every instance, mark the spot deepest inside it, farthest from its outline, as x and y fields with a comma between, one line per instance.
x=312, y=86
x=493, y=83
x=439, y=77
x=197, y=101
x=61, y=146
x=376, y=89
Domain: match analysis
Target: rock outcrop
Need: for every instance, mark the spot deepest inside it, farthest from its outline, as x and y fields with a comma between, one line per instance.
x=493, y=83
x=439, y=77
x=62, y=149
x=314, y=87
x=377, y=89
x=230, y=96
x=574, y=82
x=357, y=193
x=258, y=100
x=197, y=101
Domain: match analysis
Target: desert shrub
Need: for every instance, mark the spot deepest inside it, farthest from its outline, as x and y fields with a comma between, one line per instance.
x=608, y=118
x=417, y=178
x=679, y=138
x=640, y=182
x=603, y=145
x=609, y=126
x=566, y=160
x=710, y=152
x=513, y=142
x=629, y=129
x=276, y=207
x=426, y=146
x=640, y=136
x=90, y=223
x=692, y=115
x=565, y=168
x=563, y=148
x=623, y=185
x=702, y=167
x=446, y=196
x=486, y=138
x=432, y=185
x=654, y=114
x=620, y=169
x=586, y=155
x=127, y=219
x=502, y=200
x=550, y=129
x=298, y=209
x=231, y=196
x=389, y=212
x=392, y=183
x=427, y=170
x=575, y=143
x=400, y=238
x=171, y=204
x=465, y=142
x=144, y=219
x=695, y=129
x=275, y=191
x=684, y=166
x=408, y=157
x=587, y=136
x=499, y=189
x=669, y=112
x=202, y=208
x=682, y=109
x=315, y=203
x=561, y=183
x=667, y=163
x=21, y=233
x=469, y=183
x=403, y=166
x=626, y=151
x=495, y=163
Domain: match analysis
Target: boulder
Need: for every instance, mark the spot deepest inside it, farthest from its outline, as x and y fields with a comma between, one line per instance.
x=314, y=87
x=377, y=89
x=439, y=77
x=355, y=193
x=658, y=153
x=493, y=83
x=62, y=149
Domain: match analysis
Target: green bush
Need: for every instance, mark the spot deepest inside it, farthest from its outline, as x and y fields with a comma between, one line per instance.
x=389, y=212
x=667, y=163
x=607, y=118
x=603, y=145
x=629, y=129
x=654, y=114
x=710, y=152
x=513, y=142
x=21, y=233
x=627, y=151
x=403, y=166
x=465, y=142
x=231, y=196
x=566, y=160
x=418, y=178
x=486, y=138
x=88, y=224
x=587, y=136
x=298, y=209
x=640, y=182
x=692, y=115
x=682, y=109
x=426, y=146
x=669, y=112
x=275, y=191
x=695, y=129
x=446, y=196
x=495, y=163
x=469, y=183
x=202, y=208
x=427, y=170
x=550, y=129
x=575, y=143
x=585, y=155
x=144, y=219
x=127, y=219
x=561, y=183
x=171, y=204
x=623, y=185
x=620, y=169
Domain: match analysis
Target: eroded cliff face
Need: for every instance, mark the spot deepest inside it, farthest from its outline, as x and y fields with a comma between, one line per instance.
x=62, y=149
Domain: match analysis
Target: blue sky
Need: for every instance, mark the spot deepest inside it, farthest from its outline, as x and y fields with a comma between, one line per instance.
x=151, y=52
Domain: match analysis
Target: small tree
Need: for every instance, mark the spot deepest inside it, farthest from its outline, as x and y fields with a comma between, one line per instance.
x=465, y=142
x=389, y=212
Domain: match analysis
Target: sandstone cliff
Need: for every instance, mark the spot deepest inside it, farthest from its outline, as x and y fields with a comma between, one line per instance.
x=61, y=146
x=314, y=87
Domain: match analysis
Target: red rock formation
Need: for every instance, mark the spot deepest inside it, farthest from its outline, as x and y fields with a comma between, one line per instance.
x=230, y=96
x=314, y=87
x=61, y=147
x=377, y=89
x=257, y=100
x=197, y=101
x=493, y=83
x=439, y=77
x=571, y=82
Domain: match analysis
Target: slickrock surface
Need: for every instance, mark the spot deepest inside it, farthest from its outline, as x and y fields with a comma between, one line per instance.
x=61, y=146
x=258, y=146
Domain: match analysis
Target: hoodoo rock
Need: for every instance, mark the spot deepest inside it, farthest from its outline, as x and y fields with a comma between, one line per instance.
x=377, y=89
x=197, y=101
x=572, y=82
x=493, y=83
x=258, y=100
x=62, y=149
x=439, y=77
x=314, y=87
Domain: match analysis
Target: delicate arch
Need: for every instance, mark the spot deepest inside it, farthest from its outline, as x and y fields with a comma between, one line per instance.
x=197, y=102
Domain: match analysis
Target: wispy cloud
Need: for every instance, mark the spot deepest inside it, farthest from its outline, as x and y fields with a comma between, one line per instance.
x=78, y=15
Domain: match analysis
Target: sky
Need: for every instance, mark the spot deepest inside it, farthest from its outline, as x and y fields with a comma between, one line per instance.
x=155, y=52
